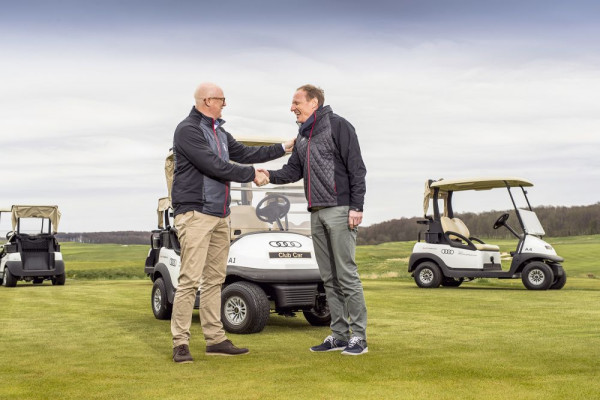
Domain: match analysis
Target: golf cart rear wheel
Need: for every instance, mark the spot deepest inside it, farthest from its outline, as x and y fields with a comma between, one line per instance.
x=428, y=275
x=560, y=280
x=9, y=279
x=244, y=308
x=161, y=307
x=452, y=282
x=58, y=280
x=319, y=315
x=537, y=276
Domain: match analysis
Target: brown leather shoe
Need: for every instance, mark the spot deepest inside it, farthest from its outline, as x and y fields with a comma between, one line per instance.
x=182, y=355
x=225, y=348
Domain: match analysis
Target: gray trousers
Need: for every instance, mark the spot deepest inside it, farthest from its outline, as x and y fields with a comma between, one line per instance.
x=335, y=245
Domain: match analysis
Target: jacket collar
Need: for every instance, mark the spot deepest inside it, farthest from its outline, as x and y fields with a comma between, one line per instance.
x=204, y=119
x=307, y=125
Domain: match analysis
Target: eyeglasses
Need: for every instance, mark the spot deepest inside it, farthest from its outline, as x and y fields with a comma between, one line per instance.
x=216, y=98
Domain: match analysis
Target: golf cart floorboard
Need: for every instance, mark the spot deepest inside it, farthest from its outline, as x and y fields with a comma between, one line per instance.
x=469, y=273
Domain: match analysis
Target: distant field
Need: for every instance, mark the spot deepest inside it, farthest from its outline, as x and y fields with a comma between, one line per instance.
x=388, y=260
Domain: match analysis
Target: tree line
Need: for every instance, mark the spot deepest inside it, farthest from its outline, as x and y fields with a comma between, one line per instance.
x=118, y=237
x=557, y=221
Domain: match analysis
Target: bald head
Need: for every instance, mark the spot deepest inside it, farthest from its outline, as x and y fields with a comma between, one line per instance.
x=210, y=99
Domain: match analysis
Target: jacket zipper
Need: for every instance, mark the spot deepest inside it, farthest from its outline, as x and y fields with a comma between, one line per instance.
x=308, y=159
x=227, y=184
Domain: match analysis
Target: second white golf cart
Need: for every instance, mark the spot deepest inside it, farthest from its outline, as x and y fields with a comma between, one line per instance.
x=449, y=254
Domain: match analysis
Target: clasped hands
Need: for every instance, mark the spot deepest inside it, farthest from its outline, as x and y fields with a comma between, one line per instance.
x=261, y=177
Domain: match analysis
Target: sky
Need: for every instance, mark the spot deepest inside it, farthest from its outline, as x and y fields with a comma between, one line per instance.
x=91, y=93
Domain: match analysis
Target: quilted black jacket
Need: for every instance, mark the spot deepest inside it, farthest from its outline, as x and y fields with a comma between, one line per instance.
x=327, y=155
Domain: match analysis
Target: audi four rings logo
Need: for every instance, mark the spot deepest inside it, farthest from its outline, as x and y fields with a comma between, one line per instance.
x=285, y=243
x=447, y=251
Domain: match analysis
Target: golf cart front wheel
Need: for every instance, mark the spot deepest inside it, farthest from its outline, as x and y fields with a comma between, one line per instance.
x=559, y=279
x=161, y=308
x=428, y=275
x=537, y=276
x=244, y=308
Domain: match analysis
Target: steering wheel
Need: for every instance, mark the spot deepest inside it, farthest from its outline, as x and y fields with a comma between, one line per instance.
x=272, y=208
x=500, y=221
x=9, y=235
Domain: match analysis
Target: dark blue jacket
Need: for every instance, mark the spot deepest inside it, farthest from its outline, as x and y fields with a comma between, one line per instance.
x=202, y=151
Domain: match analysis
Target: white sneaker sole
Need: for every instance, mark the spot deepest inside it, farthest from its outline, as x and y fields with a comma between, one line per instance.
x=347, y=353
x=325, y=351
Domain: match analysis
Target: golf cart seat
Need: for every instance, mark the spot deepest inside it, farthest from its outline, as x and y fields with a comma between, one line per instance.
x=458, y=231
x=244, y=220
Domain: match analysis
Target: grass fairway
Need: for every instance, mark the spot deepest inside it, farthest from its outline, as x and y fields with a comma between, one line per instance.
x=98, y=339
x=488, y=339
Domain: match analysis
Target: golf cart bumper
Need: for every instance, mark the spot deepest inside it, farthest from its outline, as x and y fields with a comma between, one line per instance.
x=16, y=268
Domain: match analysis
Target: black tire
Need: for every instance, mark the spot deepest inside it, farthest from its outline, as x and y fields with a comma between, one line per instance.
x=537, y=276
x=428, y=275
x=161, y=308
x=9, y=279
x=59, y=280
x=452, y=282
x=319, y=315
x=244, y=308
x=560, y=279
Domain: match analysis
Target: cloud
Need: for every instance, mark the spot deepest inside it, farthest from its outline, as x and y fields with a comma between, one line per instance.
x=88, y=113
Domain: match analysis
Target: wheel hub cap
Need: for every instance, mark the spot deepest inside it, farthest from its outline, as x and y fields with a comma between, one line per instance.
x=536, y=277
x=235, y=310
x=426, y=276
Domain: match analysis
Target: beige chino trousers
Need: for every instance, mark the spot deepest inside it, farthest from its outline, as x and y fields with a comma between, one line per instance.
x=204, y=241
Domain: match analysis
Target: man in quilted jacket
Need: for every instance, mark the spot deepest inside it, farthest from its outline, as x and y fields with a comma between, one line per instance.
x=327, y=155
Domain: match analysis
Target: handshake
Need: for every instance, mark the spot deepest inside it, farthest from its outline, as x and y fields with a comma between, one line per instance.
x=261, y=177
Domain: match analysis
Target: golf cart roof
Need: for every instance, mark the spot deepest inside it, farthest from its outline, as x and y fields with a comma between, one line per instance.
x=164, y=203
x=454, y=185
x=446, y=185
x=50, y=212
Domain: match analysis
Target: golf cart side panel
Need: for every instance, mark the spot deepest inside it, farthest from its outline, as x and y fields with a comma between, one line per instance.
x=461, y=257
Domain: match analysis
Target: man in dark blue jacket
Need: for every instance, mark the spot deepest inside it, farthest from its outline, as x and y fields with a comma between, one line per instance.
x=327, y=155
x=200, y=197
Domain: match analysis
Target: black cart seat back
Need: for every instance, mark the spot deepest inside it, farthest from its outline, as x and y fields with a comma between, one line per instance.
x=37, y=251
x=174, y=240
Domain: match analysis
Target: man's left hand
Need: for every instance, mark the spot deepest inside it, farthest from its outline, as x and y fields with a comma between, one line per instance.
x=289, y=145
x=354, y=218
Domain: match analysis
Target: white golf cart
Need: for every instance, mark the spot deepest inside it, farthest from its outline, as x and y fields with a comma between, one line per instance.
x=271, y=263
x=32, y=252
x=449, y=254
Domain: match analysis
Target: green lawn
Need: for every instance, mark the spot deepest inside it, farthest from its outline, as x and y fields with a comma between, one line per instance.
x=98, y=339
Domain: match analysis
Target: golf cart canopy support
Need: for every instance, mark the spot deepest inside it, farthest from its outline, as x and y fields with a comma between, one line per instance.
x=50, y=212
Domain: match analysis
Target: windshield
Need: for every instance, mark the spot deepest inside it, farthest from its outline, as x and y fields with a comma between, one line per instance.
x=531, y=223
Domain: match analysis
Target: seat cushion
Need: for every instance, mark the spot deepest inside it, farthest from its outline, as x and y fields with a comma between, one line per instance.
x=486, y=247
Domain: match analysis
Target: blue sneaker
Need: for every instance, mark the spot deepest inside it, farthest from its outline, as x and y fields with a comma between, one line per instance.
x=330, y=344
x=356, y=347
